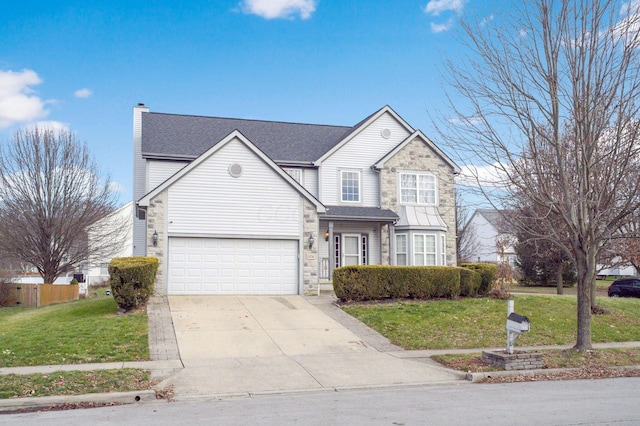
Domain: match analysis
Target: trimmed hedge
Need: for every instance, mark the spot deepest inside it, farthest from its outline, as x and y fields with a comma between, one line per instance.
x=487, y=271
x=372, y=282
x=470, y=282
x=132, y=280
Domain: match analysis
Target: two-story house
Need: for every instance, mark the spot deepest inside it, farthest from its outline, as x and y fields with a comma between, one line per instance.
x=235, y=206
x=493, y=238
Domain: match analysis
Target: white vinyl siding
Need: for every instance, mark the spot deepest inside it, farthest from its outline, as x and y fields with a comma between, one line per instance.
x=365, y=149
x=159, y=171
x=418, y=188
x=311, y=181
x=232, y=266
x=208, y=200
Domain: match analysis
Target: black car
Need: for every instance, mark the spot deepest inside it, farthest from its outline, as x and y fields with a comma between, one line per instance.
x=625, y=287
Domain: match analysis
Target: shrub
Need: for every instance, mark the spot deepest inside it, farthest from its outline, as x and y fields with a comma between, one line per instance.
x=132, y=280
x=73, y=282
x=470, y=282
x=487, y=271
x=374, y=282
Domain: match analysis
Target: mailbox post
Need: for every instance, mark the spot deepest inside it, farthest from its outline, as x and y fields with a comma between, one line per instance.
x=516, y=325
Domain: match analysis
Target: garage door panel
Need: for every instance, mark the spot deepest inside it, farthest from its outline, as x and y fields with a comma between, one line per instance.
x=232, y=266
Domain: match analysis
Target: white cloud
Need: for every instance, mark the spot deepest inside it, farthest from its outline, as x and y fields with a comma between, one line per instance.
x=439, y=28
x=493, y=176
x=116, y=187
x=436, y=7
x=56, y=126
x=18, y=103
x=272, y=9
x=82, y=93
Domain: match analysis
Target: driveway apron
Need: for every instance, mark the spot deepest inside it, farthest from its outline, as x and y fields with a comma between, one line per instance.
x=260, y=344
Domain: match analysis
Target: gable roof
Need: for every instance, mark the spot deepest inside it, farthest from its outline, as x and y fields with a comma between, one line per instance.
x=417, y=134
x=495, y=219
x=174, y=136
x=362, y=125
x=234, y=135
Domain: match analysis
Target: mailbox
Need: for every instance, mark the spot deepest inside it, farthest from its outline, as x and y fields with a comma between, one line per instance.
x=517, y=323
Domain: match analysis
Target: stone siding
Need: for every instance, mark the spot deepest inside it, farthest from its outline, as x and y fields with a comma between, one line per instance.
x=156, y=222
x=417, y=156
x=310, y=264
x=523, y=361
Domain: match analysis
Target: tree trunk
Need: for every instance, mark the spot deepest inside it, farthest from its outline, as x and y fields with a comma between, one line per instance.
x=559, y=283
x=593, y=293
x=585, y=266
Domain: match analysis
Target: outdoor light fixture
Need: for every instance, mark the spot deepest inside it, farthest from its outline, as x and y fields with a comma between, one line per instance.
x=311, y=240
x=326, y=235
x=154, y=238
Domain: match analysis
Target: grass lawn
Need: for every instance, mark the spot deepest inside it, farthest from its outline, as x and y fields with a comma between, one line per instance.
x=73, y=383
x=601, y=289
x=83, y=331
x=480, y=323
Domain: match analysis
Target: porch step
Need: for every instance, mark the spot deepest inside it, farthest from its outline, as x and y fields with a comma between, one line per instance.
x=326, y=288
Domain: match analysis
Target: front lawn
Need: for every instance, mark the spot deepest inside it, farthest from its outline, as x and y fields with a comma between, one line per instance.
x=83, y=331
x=480, y=323
x=73, y=383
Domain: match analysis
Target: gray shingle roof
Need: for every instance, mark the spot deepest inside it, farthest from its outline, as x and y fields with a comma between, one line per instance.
x=359, y=213
x=188, y=136
x=495, y=218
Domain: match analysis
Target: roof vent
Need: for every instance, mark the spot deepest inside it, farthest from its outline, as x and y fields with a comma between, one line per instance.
x=386, y=133
x=235, y=170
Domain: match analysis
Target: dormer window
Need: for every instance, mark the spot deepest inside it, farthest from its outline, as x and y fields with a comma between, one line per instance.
x=296, y=174
x=350, y=186
x=418, y=188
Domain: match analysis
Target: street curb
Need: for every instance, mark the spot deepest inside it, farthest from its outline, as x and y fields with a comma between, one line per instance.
x=131, y=397
x=477, y=377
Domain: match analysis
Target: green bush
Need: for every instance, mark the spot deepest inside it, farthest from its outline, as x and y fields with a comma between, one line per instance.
x=73, y=282
x=132, y=280
x=487, y=271
x=375, y=282
x=470, y=282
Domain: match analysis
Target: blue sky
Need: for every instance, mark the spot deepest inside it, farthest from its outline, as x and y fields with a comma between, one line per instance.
x=83, y=65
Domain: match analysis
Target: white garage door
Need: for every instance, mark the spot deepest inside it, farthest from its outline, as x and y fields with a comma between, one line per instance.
x=232, y=266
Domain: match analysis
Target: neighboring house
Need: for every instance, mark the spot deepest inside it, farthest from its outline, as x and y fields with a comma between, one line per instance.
x=120, y=224
x=235, y=206
x=494, y=241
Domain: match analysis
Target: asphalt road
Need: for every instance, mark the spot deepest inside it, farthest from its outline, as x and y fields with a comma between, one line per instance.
x=578, y=402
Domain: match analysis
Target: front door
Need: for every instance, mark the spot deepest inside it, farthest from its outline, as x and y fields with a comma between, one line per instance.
x=351, y=253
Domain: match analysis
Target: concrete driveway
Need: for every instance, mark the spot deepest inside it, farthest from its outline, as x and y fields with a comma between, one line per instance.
x=261, y=344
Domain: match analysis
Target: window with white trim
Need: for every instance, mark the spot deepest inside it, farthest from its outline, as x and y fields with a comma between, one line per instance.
x=443, y=251
x=296, y=174
x=401, y=249
x=424, y=250
x=418, y=188
x=350, y=186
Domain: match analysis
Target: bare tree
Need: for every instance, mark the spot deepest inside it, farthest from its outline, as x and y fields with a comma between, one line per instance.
x=51, y=191
x=467, y=244
x=548, y=97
